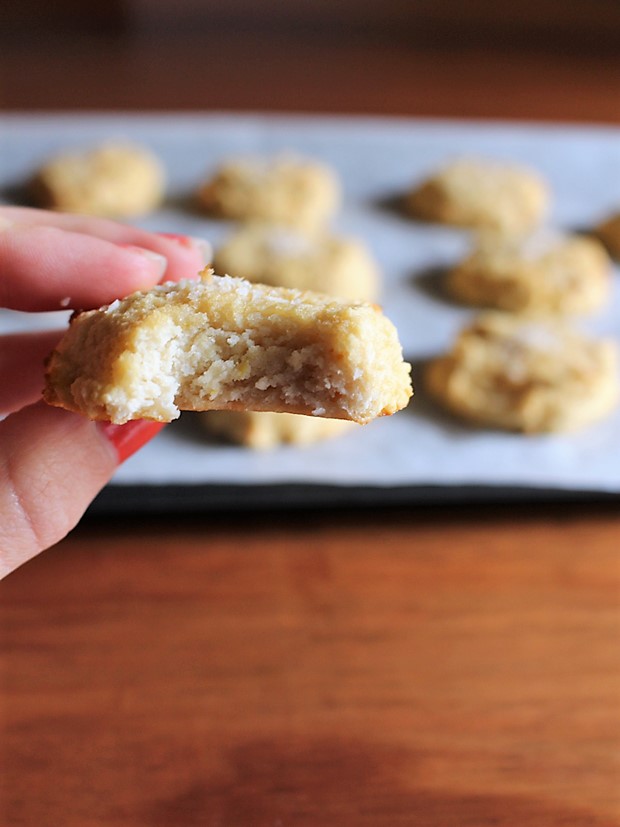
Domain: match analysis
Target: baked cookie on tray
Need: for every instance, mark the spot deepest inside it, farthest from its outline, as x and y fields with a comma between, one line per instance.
x=224, y=343
x=609, y=233
x=481, y=194
x=547, y=273
x=114, y=180
x=507, y=372
x=284, y=257
x=285, y=189
x=263, y=431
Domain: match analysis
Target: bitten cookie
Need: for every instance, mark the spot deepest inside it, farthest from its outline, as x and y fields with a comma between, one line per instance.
x=113, y=180
x=483, y=195
x=285, y=189
x=545, y=274
x=283, y=257
x=224, y=343
x=264, y=431
x=609, y=233
x=519, y=375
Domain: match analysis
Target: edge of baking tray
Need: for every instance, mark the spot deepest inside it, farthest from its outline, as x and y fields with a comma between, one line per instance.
x=151, y=499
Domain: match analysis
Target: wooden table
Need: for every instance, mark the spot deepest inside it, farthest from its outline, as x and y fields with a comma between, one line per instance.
x=440, y=667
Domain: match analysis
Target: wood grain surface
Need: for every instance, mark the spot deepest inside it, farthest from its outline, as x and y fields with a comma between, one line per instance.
x=329, y=73
x=443, y=669
x=434, y=667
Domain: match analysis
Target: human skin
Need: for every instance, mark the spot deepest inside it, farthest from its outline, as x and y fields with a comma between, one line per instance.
x=53, y=462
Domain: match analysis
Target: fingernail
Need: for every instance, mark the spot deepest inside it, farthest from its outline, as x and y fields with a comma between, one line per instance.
x=157, y=259
x=131, y=436
x=192, y=243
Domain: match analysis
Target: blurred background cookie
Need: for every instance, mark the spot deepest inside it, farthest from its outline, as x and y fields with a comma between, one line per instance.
x=609, y=233
x=286, y=189
x=509, y=373
x=548, y=273
x=283, y=257
x=115, y=180
x=481, y=194
x=262, y=430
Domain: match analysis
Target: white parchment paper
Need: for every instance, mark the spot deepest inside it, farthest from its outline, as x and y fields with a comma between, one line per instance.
x=376, y=159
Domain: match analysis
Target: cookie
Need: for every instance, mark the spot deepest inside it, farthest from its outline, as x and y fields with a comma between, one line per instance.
x=483, y=195
x=113, y=180
x=546, y=273
x=609, y=233
x=506, y=372
x=264, y=431
x=286, y=190
x=224, y=343
x=284, y=257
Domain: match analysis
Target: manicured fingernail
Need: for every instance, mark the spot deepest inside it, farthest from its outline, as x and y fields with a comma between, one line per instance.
x=192, y=243
x=156, y=258
x=131, y=436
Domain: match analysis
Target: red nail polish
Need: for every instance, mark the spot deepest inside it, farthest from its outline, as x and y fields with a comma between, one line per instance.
x=131, y=436
x=192, y=243
x=183, y=240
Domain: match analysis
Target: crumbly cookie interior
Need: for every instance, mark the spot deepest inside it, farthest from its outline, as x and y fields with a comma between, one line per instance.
x=224, y=343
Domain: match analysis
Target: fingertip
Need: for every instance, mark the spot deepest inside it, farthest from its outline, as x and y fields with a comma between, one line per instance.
x=187, y=255
x=47, y=268
x=194, y=243
x=157, y=263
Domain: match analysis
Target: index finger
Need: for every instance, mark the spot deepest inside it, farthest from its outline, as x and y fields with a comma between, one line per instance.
x=47, y=268
x=185, y=255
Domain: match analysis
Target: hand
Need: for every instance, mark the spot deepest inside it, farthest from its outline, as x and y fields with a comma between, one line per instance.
x=52, y=462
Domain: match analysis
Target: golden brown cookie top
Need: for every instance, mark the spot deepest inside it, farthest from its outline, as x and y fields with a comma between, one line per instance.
x=526, y=375
x=481, y=194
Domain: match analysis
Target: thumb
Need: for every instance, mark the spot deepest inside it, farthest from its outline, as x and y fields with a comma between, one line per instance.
x=52, y=464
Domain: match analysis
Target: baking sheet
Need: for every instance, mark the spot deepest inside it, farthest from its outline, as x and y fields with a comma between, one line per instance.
x=420, y=449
